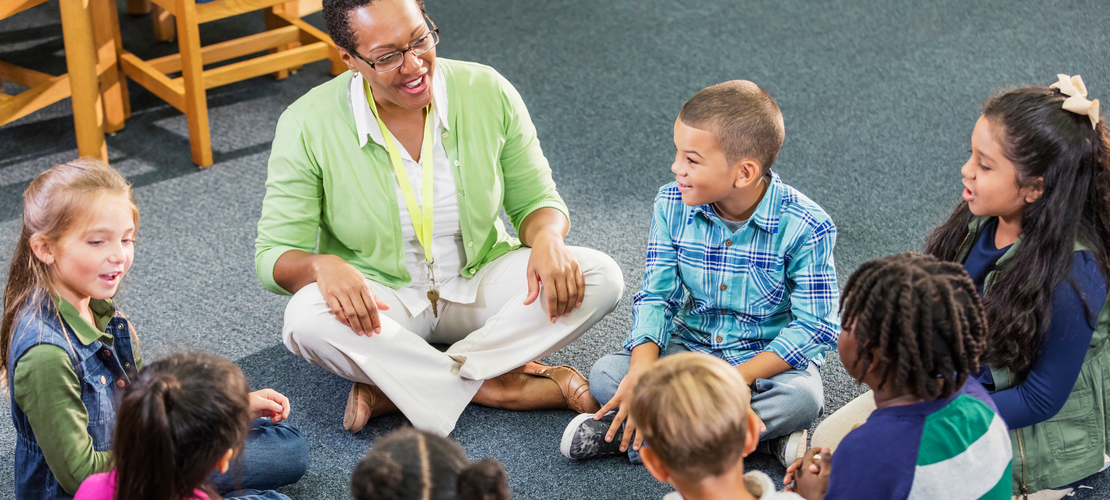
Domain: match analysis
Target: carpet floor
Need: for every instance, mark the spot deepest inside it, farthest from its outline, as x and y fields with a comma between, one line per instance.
x=879, y=99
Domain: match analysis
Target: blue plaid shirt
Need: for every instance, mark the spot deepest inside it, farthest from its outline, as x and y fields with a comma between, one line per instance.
x=770, y=286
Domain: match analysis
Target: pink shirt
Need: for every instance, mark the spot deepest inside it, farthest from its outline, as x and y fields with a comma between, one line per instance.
x=103, y=487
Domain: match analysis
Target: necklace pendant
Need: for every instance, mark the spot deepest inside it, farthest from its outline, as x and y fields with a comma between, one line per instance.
x=433, y=296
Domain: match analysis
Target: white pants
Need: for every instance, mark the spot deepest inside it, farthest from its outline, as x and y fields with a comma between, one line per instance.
x=488, y=338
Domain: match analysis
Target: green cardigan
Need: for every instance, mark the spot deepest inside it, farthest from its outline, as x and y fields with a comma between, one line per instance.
x=1069, y=446
x=327, y=195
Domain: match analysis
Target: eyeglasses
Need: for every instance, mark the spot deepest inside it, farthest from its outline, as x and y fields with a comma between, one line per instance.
x=394, y=60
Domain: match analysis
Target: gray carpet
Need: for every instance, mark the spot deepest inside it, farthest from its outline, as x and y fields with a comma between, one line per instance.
x=879, y=98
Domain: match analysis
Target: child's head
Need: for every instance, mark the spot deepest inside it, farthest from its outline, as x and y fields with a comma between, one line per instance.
x=184, y=417
x=408, y=464
x=727, y=136
x=913, y=322
x=79, y=221
x=1046, y=168
x=693, y=411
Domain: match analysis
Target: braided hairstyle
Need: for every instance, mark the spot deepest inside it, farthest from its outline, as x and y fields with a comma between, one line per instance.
x=918, y=320
x=408, y=464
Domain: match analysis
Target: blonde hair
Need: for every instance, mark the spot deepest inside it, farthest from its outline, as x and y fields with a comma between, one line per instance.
x=55, y=202
x=693, y=412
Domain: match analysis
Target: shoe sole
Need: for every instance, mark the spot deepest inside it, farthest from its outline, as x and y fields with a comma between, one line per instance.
x=796, y=446
x=350, y=413
x=568, y=433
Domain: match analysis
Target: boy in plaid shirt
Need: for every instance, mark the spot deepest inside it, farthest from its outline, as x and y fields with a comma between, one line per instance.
x=739, y=266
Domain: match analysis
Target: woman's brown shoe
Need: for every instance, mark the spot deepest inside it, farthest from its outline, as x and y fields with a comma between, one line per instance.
x=360, y=403
x=575, y=387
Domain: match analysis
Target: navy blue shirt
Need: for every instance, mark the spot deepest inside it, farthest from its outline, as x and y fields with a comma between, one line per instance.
x=1053, y=375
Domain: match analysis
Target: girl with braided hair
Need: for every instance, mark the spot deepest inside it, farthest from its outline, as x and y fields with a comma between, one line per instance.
x=913, y=332
x=183, y=418
x=1033, y=231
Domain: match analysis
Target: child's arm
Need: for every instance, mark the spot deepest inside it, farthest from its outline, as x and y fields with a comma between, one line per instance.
x=661, y=293
x=813, y=302
x=49, y=393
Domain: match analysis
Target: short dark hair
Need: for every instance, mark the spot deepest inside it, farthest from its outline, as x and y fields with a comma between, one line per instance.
x=918, y=319
x=337, y=18
x=411, y=464
x=742, y=116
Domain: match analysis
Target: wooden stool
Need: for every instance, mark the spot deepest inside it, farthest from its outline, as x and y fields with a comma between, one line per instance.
x=292, y=42
x=91, y=35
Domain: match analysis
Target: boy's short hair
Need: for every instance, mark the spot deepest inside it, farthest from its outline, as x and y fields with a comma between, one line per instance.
x=742, y=116
x=692, y=410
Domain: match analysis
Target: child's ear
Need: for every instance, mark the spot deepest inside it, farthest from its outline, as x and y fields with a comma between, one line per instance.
x=1034, y=190
x=751, y=435
x=654, y=465
x=42, y=249
x=747, y=172
x=225, y=461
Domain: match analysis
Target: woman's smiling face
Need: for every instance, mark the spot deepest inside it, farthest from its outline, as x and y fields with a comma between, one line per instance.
x=388, y=26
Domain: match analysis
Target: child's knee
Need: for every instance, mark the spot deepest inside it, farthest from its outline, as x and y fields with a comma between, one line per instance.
x=606, y=376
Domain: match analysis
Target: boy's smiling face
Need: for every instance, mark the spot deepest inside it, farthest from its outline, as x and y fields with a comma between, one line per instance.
x=703, y=173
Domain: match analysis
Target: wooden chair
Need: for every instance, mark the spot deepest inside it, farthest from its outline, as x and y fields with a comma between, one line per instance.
x=92, y=40
x=291, y=41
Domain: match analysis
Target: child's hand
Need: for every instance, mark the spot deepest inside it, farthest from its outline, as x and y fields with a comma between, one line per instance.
x=812, y=474
x=269, y=403
x=624, y=392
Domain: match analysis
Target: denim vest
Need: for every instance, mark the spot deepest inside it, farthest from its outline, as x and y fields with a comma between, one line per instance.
x=1069, y=446
x=102, y=370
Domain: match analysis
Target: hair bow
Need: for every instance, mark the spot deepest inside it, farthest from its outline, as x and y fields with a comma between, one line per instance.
x=1077, y=102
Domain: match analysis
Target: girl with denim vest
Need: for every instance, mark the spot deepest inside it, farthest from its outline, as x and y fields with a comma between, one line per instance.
x=1033, y=232
x=69, y=354
x=182, y=418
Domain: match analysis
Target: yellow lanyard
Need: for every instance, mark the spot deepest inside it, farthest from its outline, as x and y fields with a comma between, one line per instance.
x=421, y=219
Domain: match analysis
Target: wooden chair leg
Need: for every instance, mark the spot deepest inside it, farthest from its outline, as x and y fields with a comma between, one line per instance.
x=138, y=7
x=273, y=22
x=192, y=73
x=113, y=86
x=163, y=24
x=81, y=63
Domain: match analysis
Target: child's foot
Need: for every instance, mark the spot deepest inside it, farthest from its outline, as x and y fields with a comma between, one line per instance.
x=584, y=438
x=789, y=448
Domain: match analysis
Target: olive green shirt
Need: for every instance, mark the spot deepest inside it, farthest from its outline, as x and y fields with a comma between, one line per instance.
x=49, y=393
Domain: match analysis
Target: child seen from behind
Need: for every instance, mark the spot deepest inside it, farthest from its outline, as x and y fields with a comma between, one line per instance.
x=409, y=464
x=183, y=418
x=692, y=410
x=913, y=332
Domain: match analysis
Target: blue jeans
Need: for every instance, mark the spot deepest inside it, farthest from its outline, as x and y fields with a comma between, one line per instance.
x=273, y=456
x=787, y=402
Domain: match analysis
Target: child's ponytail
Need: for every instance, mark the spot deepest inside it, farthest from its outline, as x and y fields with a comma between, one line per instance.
x=174, y=425
x=147, y=471
x=484, y=480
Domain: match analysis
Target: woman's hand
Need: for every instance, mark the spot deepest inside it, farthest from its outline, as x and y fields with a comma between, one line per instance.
x=552, y=264
x=349, y=295
x=269, y=403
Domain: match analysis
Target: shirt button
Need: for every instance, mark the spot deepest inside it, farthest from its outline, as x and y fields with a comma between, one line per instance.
x=461, y=192
x=472, y=270
x=728, y=243
x=456, y=163
x=445, y=135
x=724, y=287
x=720, y=339
x=108, y=353
x=470, y=243
x=120, y=383
x=126, y=365
x=103, y=380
